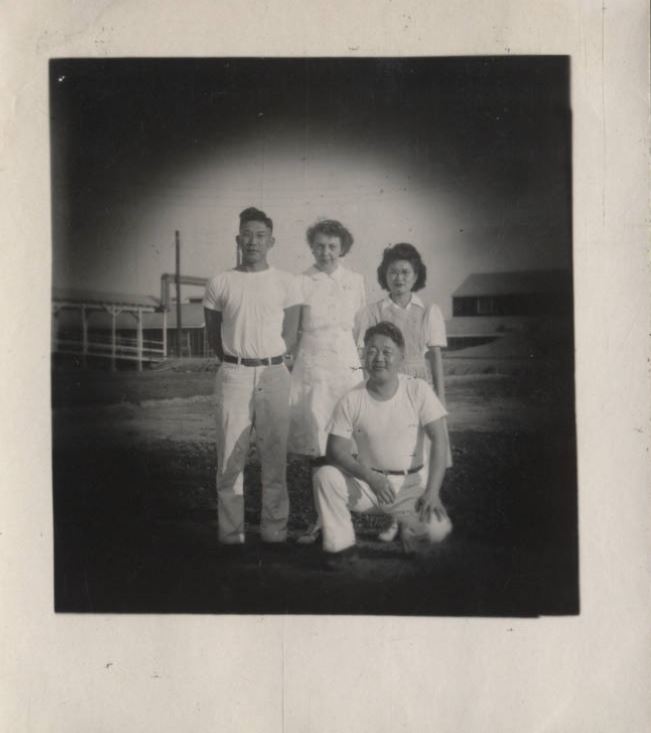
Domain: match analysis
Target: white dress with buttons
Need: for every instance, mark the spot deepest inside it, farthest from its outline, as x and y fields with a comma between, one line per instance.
x=327, y=363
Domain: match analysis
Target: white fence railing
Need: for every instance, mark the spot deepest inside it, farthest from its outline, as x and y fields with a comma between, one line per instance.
x=123, y=348
x=113, y=345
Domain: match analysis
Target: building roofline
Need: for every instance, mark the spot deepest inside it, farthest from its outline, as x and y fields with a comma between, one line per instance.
x=79, y=296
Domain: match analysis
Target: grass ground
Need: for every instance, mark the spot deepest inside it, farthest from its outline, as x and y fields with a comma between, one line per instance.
x=135, y=520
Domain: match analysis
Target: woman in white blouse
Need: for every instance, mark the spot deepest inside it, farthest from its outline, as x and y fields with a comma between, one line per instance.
x=327, y=361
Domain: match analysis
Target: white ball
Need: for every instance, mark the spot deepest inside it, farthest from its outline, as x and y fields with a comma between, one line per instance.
x=417, y=537
x=438, y=529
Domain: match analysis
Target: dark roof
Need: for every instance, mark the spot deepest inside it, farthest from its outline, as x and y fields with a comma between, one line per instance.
x=96, y=297
x=514, y=283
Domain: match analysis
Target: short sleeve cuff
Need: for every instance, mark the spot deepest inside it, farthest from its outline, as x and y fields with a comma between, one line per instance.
x=339, y=431
x=434, y=415
x=431, y=407
x=211, y=294
x=436, y=335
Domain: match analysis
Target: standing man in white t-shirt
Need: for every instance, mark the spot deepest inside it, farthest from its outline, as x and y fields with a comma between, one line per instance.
x=251, y=317
x=388, y=417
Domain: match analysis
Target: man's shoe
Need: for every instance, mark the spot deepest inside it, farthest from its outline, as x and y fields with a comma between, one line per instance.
x=390, y=533
x=311, y=535
x=335, y=561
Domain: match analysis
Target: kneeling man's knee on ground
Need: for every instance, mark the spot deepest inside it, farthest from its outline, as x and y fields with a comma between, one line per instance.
x=328, y=478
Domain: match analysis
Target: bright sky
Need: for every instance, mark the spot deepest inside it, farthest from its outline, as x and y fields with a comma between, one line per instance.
x=476, y=180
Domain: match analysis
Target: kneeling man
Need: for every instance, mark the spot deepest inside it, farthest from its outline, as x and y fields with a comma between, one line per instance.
x=387, y=417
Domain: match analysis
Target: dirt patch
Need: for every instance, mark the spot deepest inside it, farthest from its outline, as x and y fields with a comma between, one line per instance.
x=493, y=403
x=135, y=518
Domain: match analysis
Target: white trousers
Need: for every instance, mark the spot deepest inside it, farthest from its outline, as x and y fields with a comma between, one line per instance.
x=337, y=494
x=248, y=398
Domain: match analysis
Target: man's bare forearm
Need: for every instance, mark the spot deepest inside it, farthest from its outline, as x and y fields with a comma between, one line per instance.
x=338, y=451
x=437, y=457
x=291, y=320
x=213, y=321
x=435, y=359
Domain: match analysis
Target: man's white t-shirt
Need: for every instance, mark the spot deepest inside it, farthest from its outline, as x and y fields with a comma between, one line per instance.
x=389, y=434
x=252, y=306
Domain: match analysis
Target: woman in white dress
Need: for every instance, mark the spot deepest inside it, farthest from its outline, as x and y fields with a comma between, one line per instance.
x=327, y=361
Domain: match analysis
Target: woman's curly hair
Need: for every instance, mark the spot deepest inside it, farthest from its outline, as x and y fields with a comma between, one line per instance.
x=402, y=251
x=332, y=228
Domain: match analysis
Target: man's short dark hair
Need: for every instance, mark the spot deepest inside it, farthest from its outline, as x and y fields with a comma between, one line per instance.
x=331, y=228
x=402, y=251
x=388, y=329
x=253, y=214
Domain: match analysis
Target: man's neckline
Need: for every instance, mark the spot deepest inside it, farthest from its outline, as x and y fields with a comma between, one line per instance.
x=384, y=399
x=253, y=272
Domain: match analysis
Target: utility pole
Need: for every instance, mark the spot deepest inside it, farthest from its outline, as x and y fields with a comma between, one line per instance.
x=179, y=327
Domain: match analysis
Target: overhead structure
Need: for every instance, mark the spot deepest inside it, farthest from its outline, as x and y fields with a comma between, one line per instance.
x=168, y=278
x=127, y=327
x=93, y=343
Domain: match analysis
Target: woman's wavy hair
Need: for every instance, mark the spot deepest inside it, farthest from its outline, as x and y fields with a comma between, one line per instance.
x=402, y=251
x=332, y=228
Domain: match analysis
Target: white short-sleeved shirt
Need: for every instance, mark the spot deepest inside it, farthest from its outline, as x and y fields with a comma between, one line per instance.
x=433, y=322
x=422, y=326
x=252, y=306
x=389, y=434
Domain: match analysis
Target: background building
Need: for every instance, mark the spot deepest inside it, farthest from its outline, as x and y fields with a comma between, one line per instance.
x=106, y=328
x=489, y=305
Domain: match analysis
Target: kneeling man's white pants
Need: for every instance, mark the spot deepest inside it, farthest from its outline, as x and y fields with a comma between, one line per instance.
x=337, y=494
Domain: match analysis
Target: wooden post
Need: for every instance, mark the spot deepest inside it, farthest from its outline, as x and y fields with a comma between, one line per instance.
x=84, y=337
x=113, y=338
x=179, y=326
x=139, y=339
x=165, y=333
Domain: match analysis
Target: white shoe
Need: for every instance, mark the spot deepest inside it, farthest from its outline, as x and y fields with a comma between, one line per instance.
x=311, y=534
x=390, y=533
